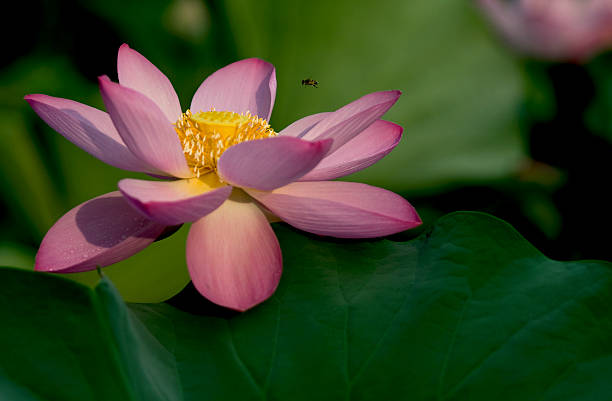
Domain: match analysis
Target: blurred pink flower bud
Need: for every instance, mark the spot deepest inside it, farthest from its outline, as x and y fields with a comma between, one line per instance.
x=562, y=30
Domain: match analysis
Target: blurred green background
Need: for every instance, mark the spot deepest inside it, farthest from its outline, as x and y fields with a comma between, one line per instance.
x=483, y=129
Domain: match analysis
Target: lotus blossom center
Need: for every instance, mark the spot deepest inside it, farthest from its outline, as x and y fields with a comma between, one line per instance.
x=207, y=134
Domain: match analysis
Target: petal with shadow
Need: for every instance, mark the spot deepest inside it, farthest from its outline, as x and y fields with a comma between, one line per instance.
x=145, y=129
x=99, y=232
x=371, y=145
x=347, y=122
x=175, y=202
x=88, y=128
x=233, y=256
x=138, y=73
x=340, y=209
x=244, y=86
x=271, y=162
x=300, y=127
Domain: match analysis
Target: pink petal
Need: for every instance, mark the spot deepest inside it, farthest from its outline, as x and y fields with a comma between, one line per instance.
x=138, y=73
x=90, y=129
x=271, y=162
x=144, y=128
x=345, y=123
x=340, y=209
x=299, y=128
x=233, y=256
x=371, y=145
x=246, y=85
x=507, y=18
x=174, y=202
x=99, y=232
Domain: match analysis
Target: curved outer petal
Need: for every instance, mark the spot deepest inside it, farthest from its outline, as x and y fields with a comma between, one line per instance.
x=371, y=145
x=233, y=256
x=88, y=128
x=340, y=209
x=345, y=123
x=271, y=162
x=300, y=127
x=138, y=73
x=246, y=85
x=99, y=232
x=144, y=128
x=173, y=202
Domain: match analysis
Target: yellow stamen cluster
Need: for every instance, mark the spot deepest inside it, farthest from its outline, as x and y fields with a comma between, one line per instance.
x=207, y=134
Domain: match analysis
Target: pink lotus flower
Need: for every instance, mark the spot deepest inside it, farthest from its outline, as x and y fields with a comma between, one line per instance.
x=232, y=174
x=569, y=30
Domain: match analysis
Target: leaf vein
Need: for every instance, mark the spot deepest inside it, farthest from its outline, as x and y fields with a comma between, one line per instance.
x=242, y=365
x=489, y=355
x=370, y=357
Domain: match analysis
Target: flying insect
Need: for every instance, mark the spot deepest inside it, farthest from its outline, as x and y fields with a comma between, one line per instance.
x=310, y=82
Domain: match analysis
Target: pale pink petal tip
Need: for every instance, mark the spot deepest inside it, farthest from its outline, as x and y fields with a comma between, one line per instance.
x=270, y=163
x=99, y=232
x=233, y=256
x=244, y=86
x=371, y=145
x=138, y=73
x=173, y=202
x=340, y=209
x=347, y=122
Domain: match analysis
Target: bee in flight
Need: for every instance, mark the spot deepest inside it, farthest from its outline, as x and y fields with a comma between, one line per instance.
x=310, y=82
